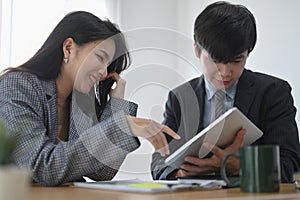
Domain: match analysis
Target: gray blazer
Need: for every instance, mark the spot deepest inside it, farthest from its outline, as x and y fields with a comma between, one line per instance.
x=28, y=105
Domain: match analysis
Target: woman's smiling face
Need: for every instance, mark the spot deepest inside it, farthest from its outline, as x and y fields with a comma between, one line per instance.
x=93, y=61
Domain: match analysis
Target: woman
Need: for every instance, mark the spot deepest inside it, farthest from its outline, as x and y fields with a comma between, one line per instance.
x=56, y=103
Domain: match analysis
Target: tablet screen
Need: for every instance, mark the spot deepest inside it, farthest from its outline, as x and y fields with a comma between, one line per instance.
x=221, y=132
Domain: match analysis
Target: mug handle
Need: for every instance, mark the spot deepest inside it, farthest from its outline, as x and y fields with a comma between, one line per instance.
x=223, y=170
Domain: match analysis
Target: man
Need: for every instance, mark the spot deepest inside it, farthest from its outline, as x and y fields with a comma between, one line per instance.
x=225, y=34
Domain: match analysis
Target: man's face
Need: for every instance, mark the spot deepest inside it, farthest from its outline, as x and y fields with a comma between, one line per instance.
x=220, y=75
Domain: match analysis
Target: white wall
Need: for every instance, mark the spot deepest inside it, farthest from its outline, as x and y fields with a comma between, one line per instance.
x=0, y=22
x=160, y=35
x=5, y=35
x=27, y=24
x=149, y=28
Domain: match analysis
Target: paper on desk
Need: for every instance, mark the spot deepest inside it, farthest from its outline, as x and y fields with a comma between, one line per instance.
x=126, y=185
x=137, y=185
x=207, y=184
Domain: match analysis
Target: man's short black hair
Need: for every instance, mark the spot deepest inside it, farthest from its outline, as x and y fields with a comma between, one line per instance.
x=225, y=30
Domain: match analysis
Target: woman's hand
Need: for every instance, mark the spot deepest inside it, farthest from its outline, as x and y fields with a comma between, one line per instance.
x=152, y=131
x=119, y=90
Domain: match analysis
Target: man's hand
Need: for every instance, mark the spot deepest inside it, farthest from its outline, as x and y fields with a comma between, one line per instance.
x=194, y=166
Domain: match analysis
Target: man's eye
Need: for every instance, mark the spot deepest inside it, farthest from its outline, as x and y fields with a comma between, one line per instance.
x=236, y=61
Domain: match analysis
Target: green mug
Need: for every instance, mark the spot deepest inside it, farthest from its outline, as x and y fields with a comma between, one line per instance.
x=259, y=169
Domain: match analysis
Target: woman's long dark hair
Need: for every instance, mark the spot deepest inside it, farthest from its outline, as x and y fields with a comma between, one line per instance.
x=82, y=27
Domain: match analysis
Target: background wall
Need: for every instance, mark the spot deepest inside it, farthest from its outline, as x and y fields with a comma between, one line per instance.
x=160, y=37
x=0, y=25
x=27, y=24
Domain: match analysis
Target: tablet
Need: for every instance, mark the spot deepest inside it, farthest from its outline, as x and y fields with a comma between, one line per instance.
x=221, y=132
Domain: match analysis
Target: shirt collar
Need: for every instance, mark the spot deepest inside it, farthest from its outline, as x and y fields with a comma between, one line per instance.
x=49, y=87
x=210, y=89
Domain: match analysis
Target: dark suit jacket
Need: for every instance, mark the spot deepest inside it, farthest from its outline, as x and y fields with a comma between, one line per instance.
x=265, y=100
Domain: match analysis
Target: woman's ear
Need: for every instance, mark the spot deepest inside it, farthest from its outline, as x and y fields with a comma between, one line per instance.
x=196, y=50
x=67, y=45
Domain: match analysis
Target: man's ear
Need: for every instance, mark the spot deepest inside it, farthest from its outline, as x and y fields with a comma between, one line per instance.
x=196, y=50
x=67, y=45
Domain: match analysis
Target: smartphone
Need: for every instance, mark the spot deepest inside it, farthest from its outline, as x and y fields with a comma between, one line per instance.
x=102, y=90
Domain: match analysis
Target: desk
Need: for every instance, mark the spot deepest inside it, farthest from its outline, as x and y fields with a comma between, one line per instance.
x=287, y=192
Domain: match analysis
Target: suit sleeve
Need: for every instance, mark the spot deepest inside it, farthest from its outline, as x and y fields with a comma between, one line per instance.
x=98, y=151
x=281, y=128
x=158, y=168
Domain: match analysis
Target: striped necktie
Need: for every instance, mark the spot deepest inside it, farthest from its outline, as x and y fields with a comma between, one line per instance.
x=219, y=100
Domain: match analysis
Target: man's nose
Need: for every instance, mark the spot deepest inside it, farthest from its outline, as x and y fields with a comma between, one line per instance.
x=225, y=69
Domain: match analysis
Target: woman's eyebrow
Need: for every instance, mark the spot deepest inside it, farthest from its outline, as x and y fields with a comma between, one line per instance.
x=106, y=55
